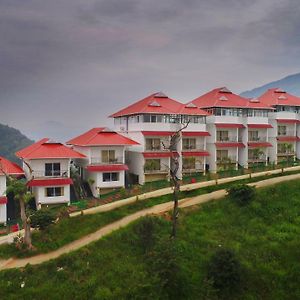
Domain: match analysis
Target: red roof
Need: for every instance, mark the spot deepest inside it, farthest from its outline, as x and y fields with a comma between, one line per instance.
x=50, y=182
x=3, y=200
x=229, y=125
x=230, y=145
x=157, y=133
x=192, y=110
x=195, y=153
x=9, y=167
x=288, y=138
x=101, y=137
x=107, y=168
x=259, y=144
x=293, y=121
x=277, y=96
x=158, y=154
x=260, y=126
x=47, y=149
x=195, y=133
x=222, y=97
x=157, y=103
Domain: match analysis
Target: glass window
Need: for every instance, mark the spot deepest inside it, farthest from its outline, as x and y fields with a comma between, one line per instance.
x=222, y=136
x=108, y=177
x=189, y=144
x=253, y=136
x=54, y=191
x=221, y=154
x=152, y=164
x=52, y=169
x=108, y=156
x=281, y=130
x=189, y=163
x=153, y=144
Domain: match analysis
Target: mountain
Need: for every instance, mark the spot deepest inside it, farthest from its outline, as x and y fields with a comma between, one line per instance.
x=290, y=84
x=12, y=140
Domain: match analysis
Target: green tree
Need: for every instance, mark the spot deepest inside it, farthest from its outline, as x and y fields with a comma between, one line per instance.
x=42, y=219
x=241, y=193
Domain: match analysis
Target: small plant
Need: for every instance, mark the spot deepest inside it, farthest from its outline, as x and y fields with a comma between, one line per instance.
x=42, y=219
x=241, y=193
x=225, y=270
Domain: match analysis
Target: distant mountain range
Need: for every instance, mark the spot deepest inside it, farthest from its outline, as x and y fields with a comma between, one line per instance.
x=12, y=140
x=290, y=84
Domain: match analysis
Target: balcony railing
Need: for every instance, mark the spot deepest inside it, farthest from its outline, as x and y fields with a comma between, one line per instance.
x=193, y=148
x=232, y=139
x=287, y=133
x=52, y=173
x=257, y=139
x=226, y=160
x=156, y=170
x=253, y=159
x=158, y=149
x=192, y=169
x=286, y=153
x=99, y=161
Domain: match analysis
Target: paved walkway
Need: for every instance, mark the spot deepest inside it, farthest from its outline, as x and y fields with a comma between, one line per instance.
x=157, y=209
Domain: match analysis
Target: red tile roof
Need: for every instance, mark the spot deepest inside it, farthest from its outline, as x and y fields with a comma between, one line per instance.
x=288, y=139
x=195, y=153
x=292, y=121
x=3, y=200
x=195, y=133
x=9, y=167
x=158, y=154
x=157, y=133
x=259, y=144
x=230, y=145
x=192, y=110
x=229, y=125
x=277, y=96
x=222, y=97
x=47, y=149
x=107, y=168
x=50, y=182
x=101, y=137
x=260, y=126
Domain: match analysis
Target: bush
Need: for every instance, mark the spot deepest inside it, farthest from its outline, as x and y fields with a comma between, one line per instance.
x=241, y=193
x=42, y=219
x=225, y=270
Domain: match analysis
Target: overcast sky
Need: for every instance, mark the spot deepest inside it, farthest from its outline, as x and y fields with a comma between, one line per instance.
x=65, y=65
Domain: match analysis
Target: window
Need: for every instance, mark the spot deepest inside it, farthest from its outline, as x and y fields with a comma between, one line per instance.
x=108, y=156
x=189, y=144
x=253, y=136
x=221, y=154
x=189, y=163
x=222, y=136
x=281, y=130
x=52, y=169
x=152, y=165
x=107, y=177
x=54, y=191
x=152, y=144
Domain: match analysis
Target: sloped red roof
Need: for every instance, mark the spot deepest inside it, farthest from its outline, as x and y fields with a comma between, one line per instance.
x=276, y=96
x=259, y=144
x=159, y=154
x=47, y=149
x=195, y=133
x=100, y=137
x=292, y=121
x=9, y=167
x=157, y=103
x=157, y=133
x=195, y=153
x=107, y=168
x=229, y=125
x=222, y=97
x=50, y=182
x=288, y=138
x=192, y=110
x=260, y=126
x=229, y=145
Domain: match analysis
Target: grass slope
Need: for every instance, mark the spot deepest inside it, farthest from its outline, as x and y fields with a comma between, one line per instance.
x=264, y=235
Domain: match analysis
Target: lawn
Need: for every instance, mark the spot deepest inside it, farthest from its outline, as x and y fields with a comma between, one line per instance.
x=264, y=236
x=70, y=229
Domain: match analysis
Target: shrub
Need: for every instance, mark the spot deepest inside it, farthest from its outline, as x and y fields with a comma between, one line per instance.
x=225, y=270
x=241, y=193
x=42, y=219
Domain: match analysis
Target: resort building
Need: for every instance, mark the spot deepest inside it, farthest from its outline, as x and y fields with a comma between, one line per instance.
x=6, y=168
x=47, y=169
x=104, y=166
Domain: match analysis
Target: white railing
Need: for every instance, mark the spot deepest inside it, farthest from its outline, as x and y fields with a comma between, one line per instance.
x=99, y=161
x=228, y=159
x=156, y=171
x=51, y=173
x=257, y=139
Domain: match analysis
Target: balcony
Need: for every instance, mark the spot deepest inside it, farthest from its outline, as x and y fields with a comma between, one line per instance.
x=193, y=148
x=50, y=174
x=253, y=159
x=161, y=170
x=231, y=139
x=192, y=168
x=286, y=153
x=99, y=161
x=232, y=159
x=257, y=139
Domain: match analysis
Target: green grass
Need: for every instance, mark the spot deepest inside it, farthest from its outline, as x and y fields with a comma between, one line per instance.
x=71, y=229
x=264, y=235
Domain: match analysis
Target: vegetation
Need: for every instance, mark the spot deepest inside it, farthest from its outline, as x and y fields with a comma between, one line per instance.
x=241, y=193
x=12, y=140
x=263, y=235
x=42, y=219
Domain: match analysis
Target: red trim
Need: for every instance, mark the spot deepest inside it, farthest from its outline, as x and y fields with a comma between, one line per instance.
x=230, y=145
x=158, y=154
x=157, y=133
x=3, y=200
x=229, y=125
x=195, y=133
x=50, y=182
x=287, y=121
x=107, y=168
x=259, y=144
x=195, y=153
x=260, y=126
x=288, y=138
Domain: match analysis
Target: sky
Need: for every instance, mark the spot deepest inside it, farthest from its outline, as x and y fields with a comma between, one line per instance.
x=66, y=65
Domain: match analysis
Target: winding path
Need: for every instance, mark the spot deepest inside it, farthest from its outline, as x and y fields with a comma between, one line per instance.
x=157, y=209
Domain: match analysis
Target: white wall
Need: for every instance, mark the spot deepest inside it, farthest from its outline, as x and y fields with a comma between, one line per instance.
x=40, y=197
x=3, y=215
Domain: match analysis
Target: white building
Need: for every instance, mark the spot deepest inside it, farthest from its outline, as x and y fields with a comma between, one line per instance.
x=6, y=168
x=47, y=169
x=104, y=166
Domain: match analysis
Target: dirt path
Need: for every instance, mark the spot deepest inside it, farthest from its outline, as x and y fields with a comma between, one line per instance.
x=157, y=209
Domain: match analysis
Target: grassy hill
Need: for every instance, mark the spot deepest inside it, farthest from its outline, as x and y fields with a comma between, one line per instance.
x=290, y=84
x=12, y=140
x=133, y=264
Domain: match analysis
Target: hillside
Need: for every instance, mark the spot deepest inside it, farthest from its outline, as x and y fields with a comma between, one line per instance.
x=138, y=262
x=290, y=83
x=12, y=140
